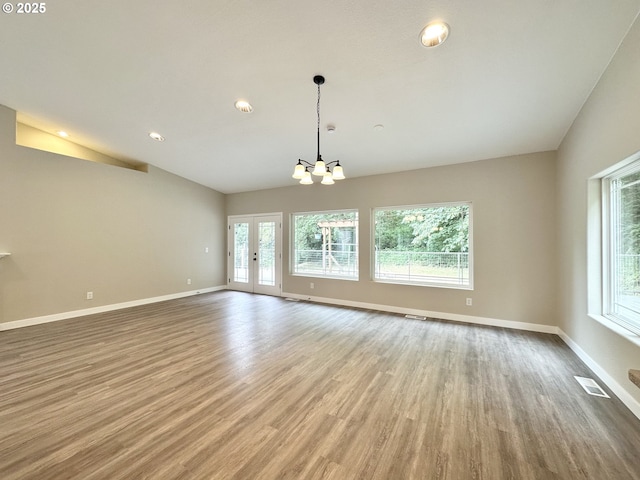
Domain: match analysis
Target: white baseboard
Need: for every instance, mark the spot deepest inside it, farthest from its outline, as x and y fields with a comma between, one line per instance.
x=620, y=392
x=494, y=322
x=27, y=322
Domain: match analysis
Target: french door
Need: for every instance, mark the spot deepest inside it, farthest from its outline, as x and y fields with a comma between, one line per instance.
x=255, y=253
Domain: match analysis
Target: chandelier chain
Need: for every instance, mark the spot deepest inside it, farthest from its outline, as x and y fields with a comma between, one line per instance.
x=318, y=112
x=318, y=107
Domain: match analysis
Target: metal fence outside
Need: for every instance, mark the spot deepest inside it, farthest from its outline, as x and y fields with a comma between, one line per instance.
x=342, y=261
x=339, y=261
x=437, y=267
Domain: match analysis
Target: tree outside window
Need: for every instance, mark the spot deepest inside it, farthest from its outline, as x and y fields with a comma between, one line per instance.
x=425, y=244
x=326, y=244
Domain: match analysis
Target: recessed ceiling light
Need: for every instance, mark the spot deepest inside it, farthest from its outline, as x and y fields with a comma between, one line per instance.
x=156, y=136
x=62, y=134
x=434, y=34
x=244, y=106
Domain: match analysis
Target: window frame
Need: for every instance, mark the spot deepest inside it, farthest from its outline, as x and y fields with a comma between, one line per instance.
x=468, y=286
x=293, y=247
x=630, y=323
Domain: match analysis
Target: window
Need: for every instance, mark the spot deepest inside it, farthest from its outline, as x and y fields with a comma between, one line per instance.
x=424, y=245
x=325, y=244
x=621, y=246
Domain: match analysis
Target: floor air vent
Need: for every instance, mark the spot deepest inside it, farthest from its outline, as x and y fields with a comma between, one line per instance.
x=591, y=387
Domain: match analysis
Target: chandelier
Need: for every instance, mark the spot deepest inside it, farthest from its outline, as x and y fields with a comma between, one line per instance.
x=320, y=168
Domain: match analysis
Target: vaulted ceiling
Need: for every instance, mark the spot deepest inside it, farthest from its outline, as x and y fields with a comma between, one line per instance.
x=510, y=79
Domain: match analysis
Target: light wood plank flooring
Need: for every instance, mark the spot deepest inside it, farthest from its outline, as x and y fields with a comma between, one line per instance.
x=239, y=386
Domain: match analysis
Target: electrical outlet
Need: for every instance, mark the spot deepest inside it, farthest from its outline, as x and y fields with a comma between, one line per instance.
x=312, y=286
x=89, y=295
x=188, y=281
x=206, y=249
x=469, y=302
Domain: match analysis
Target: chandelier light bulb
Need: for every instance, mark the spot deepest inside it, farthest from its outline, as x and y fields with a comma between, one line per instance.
x=306, y=178
x=299, y=171
x=320, y=168
x=337, y=173
x=327, y=179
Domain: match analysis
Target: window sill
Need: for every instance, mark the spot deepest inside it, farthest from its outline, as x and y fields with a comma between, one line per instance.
x=620, y=330
x=417, y=284
x=328, y=277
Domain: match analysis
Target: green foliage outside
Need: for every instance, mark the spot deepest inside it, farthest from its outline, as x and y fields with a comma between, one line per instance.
x=630, y=215
x=628, y=248
x=433, y=229
x=308, y=235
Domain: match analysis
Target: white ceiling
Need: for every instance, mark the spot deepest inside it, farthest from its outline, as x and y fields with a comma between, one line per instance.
x=509, y=80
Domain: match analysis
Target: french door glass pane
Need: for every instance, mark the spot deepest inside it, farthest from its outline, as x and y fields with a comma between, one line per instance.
x=266, y=249
x=241, y=249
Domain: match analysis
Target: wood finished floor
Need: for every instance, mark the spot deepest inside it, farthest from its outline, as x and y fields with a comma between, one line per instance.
x=240, y=386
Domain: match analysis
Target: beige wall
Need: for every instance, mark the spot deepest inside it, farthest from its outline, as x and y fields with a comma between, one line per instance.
x=606, y=131
x=513, y=234
x=74, y=226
